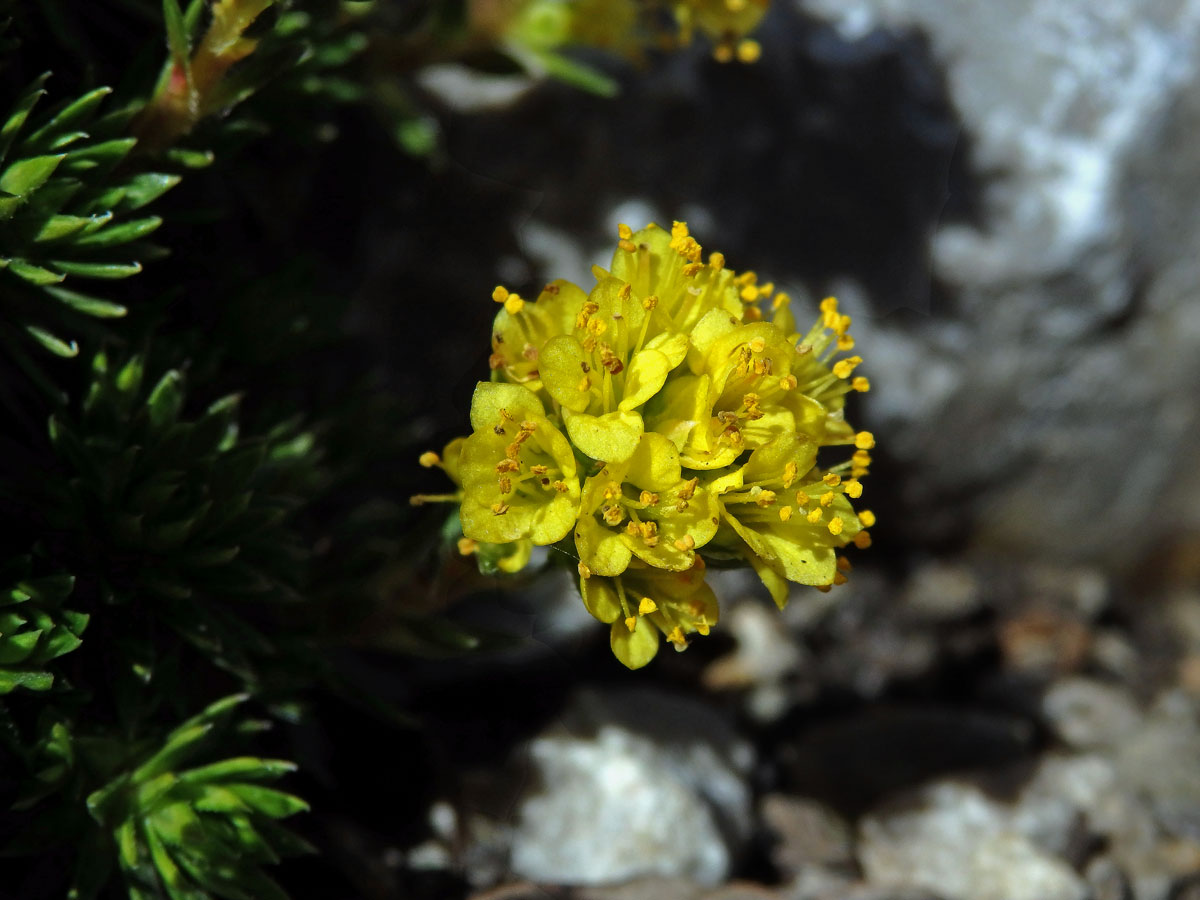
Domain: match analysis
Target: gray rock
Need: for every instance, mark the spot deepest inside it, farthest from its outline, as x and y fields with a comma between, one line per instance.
x=635, y=784
x=1087, y=713
x=1074, y=333
x=952, y=840
x=806, y=834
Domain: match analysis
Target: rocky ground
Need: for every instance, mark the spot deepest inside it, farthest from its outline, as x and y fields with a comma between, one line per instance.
x=1004, y=701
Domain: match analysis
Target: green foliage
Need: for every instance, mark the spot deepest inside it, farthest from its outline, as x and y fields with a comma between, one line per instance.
x=71, y=214
x=34, y=628
x=172, y=509
x=203, y=831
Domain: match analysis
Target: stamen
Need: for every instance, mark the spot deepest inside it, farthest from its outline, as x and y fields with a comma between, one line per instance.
x=864, y=440
x=499, y=509
x=867, y=518
x=835, y=525
x=429, y=459
x=785, y=513
x=647, y=606
x=467, y=546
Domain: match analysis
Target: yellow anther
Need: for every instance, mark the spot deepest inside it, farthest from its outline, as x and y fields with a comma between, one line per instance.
x=788, y=383
x=835, y=525
x=815, y=516
x=429, y=459
x=612, y=490
x=765, y=499
x=631, y=623
x=597, y=326
x=864, y=440
x=624, y=232
x=790, y=472
x=467, y=546
x=539, y=470
x=843, y=367
x=749, y=51
x=499, y=509
x=692, y=269
x=758, y=345
x=613, y=515
x=679, y=231
x=496, y=361
x=561, y=487
x=513, y=450
x=843, y=325
x=500, y=294
x=505, y=484
x=802, y=499
x=702, y=627
x=585, y=571
x=861, y=458
x=649, y=303
x=509, y=465
x=624, y=291
x=649, y=533
x=862, y=540
x=648, y=499
x=767, y=289
x=676, y=637
x=748, y=294
x=867, y=518
x=688, y=489
x=854, y=489
x=845, y=342
x=829, y=304
x=585, y=383
x=843, y=564
x=685, y=543
x=859, y=471
x=627, y=246
x=514, y=304
x=785, y=513
x=861, y=384
x=827, y=499
x=647, y=606
x=716, y=261
x=832, y=479
x=752, y=314
x=506, y=416
x=839, y=578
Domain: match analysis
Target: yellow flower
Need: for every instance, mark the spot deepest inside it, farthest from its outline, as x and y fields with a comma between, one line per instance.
x=643, y=508
x=518, y=471
x=726, y=23
x=786, y=516
x=669, y=417
x=644, y=602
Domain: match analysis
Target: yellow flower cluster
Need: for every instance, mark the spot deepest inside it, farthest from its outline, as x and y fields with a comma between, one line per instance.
x=627, y=27
x=670, y=416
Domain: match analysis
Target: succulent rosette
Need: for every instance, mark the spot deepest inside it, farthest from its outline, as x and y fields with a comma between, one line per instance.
x=670, y=417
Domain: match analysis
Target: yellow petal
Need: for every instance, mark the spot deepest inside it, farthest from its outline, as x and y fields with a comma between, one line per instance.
x=600, y=598
x=562, y=371
x=480, y=522
x=600, y=549
x=490, y=397
x=670, y=344
x=634, y=648
x=612, y=437
x=675, y=410
x=654, y=466
x=714, y=324
x=775, y=583
x=645, y=377
x=551, y=522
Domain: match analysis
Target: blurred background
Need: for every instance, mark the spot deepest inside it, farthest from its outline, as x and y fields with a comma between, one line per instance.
x=1002, y=701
